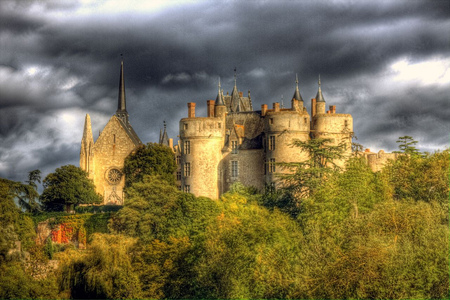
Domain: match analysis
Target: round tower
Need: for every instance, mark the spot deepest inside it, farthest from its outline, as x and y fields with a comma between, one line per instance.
x=202, y=140
x=336, y=127
x=281, y=128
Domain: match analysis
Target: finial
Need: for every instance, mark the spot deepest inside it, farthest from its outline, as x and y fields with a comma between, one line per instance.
x=282, y=103
x=319, y=80
x=164, y=125
x=234, y=76
x=219, y=84
x=296, y=78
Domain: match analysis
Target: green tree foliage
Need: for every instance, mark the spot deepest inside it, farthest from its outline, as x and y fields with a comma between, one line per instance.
x=152, y=159
x=249, y=252
x=307, y=175
x=420, y=178
x=157, y=210
x=26, y=194
x=103, y=272
x=66, y=188
x=407, y=145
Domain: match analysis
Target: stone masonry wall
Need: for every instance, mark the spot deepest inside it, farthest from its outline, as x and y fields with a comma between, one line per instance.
x=110, y=151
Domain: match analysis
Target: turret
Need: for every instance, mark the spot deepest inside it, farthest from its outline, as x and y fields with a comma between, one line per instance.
x=86, y=151
x=297, y=100
x=220, y=109
x=202, y=140
x=163, y=137
x=320, y=101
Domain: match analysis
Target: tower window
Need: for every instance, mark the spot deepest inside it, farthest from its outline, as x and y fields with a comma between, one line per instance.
x=306, y=120
x=272, y=142
x=272, y=165
x=234, y=169
x=346, y=123
x=114, y=138
x=187, y=169
x=178, y=175
x=271, y=121
x=178, y=159
x=234, y=147
x=185, y=126
x=187, y=147
x=187, y=189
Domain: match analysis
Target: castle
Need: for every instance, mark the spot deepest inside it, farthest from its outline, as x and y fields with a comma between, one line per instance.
x=233, y=143
x=236, y=143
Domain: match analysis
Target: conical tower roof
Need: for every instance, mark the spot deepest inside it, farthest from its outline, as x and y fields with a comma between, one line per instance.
x=319, y=96
x=164, y=138
x=297, y=95
x=219, y=98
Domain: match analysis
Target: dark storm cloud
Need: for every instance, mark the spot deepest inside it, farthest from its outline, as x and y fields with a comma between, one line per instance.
x=58, y=61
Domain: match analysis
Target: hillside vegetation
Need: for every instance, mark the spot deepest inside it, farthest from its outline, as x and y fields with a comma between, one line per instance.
x=356, y=234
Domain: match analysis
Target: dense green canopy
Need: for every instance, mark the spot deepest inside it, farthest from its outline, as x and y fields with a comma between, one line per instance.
x=68, y=187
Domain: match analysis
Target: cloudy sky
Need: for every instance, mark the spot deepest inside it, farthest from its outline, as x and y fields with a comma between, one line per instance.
x=385, y=62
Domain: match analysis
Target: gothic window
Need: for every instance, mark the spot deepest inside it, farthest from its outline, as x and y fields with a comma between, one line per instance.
x=345, y=123
x=187, y=188
x=272, y=165
x=178, y=159
x=187, y=169
x=187, y=147
x=272, y=142
x=113, y=176
x=234, y=147
x=178, y=175
x=234, y=169
x=114, y=138
x=271, y=121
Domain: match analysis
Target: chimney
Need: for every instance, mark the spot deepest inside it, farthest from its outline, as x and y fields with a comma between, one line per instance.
x=276, y=107
x=191, y=110
x=263, y=109
x=313, y=107
x=210, y=108
x=332, y=109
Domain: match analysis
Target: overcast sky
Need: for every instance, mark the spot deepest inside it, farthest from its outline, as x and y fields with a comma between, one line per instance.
x=385, y=62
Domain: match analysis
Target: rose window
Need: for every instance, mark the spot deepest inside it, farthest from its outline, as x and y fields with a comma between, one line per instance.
x=114, y=176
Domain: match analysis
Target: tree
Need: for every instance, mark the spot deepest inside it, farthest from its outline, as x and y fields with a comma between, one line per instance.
x=68, y=187
x=103, y=272
x=306, y=176
x=150, y=159
x=406, y=145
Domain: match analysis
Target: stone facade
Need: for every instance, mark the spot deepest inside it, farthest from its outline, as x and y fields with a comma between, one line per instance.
x=235, y=143
x=103, y=159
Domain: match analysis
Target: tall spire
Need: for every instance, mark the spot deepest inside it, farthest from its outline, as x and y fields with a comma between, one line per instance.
x=319, y=96
x=122, y=103
x=297, y=95
x=235, y=99
x=219, y=98
x=87, y=131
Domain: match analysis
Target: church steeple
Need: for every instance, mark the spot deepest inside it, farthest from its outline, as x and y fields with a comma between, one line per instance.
x=319, y=96
x=121, y=112
x=297, y=95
